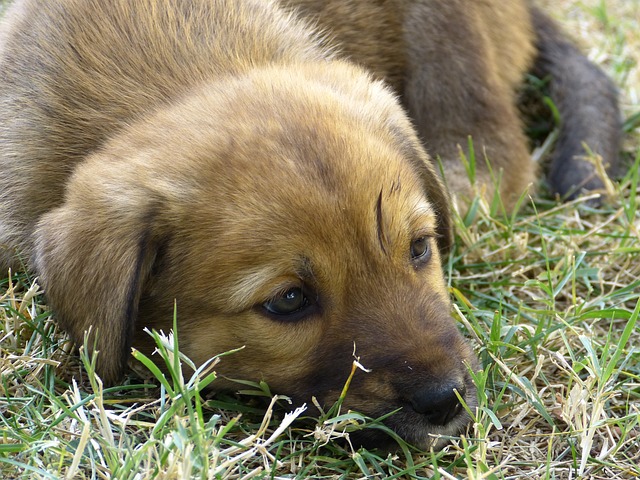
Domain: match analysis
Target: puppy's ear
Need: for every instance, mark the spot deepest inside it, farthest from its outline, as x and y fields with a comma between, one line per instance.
x=439, y=198
x=93, y=259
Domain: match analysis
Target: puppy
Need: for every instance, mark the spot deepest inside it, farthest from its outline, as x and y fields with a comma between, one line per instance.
x=222, y=154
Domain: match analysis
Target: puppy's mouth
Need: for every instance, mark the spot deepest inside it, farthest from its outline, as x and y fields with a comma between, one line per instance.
x=426, y=417
x=414, y=428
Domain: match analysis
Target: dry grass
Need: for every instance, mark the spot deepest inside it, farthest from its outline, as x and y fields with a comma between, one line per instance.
x=550, y=298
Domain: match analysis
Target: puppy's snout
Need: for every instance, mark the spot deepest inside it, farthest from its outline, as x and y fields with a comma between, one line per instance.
x=438, y=402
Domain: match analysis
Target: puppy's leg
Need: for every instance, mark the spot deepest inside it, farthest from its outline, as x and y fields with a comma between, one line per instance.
x=587, y=101
x=456, y=87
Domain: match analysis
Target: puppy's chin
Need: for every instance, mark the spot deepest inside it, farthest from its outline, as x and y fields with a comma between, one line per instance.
x=412, y=429
x=415, y=429
x=393, y=423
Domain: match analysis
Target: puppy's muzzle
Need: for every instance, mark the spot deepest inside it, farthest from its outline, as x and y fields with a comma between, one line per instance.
x=418, y=377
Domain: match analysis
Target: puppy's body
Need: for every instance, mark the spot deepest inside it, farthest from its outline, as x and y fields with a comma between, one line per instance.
x=217, y=152
x=458, y=66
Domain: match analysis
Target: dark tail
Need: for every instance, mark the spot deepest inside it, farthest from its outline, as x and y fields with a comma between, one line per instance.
x=587, y=101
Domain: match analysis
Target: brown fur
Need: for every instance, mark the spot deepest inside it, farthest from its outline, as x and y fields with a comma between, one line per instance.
x=457, y=65
x=219, y=154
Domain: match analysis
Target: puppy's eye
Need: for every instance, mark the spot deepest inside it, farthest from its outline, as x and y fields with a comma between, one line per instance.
x=291, y=302
x=421, y=250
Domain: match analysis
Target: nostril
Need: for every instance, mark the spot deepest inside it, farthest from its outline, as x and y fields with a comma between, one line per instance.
x=439, y=402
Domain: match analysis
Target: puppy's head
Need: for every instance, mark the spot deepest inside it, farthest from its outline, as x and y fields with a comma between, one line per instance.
x=290, y=212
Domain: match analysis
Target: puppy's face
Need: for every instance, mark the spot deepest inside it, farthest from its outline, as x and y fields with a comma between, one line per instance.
x=299, y=223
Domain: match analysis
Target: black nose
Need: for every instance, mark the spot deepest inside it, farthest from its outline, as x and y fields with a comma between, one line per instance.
x=438, y=402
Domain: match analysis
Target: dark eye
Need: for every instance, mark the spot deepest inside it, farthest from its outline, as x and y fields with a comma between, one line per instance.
x=421, y=250
x=289, y=302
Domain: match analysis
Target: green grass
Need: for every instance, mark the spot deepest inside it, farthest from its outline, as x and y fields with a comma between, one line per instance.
x=549, y=297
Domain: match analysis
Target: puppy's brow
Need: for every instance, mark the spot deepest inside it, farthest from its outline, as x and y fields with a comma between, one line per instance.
x=244, y=290
x=424, y=208
x=424, y=218
x=262, y=282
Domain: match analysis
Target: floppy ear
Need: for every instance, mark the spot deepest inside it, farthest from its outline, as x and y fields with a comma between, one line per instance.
x=93, y=259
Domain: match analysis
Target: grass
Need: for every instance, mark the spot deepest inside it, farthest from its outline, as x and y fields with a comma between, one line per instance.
x=549, y=297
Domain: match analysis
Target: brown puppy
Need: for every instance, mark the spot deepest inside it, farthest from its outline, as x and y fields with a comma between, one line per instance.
x=216, y=152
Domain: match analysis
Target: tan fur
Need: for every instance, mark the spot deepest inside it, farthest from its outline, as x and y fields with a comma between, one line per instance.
x=457, y=65
x=218, y=153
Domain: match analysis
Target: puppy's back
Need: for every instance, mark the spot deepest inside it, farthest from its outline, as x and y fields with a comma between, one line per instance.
x=82, y=69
